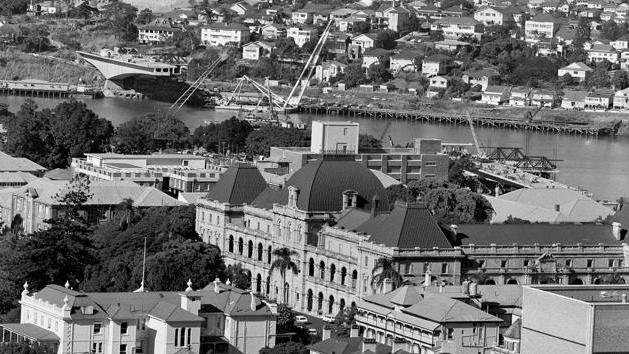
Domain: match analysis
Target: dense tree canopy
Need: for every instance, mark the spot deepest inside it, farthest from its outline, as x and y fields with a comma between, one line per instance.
x=259, y=142
x=53, y=137
x=150, y=133
x=286, y=348
x=230, y=134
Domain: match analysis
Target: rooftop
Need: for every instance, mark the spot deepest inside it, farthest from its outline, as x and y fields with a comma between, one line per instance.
x=9, y=163
x=240, y=184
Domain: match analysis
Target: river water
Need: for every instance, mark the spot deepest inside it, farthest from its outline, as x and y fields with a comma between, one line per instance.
x=598, y=164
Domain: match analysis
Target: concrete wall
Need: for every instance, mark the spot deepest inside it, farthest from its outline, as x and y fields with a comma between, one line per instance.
x=333, y=136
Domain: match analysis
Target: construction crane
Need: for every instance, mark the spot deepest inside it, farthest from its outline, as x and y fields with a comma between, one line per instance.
x=309, y=67
x=479, y=152
x=175, y=107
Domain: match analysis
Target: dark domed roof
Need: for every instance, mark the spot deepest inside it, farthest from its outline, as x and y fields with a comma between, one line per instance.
x=239, y=184
x=322, y=183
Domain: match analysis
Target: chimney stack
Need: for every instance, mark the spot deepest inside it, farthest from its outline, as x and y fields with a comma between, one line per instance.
x=327, y=332
x=617, y=230
x=375, y=203
x=217, y=289
x=253, y=304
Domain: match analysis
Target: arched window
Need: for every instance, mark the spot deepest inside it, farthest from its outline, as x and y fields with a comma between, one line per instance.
x=309, y=302
x=258, y=283
x=512, y=281
x=354, y=278
x=490, y=282
x=231, y=244
x=268, y=285
x=286, y=292
x=331, y=304
x=240, y=245
x=320, y=302
x=322, y=270
x=269, y=254
x=341, y=305
x=249, y=249
x=260, y=251
x=311, y=267
x=332, y=271
x=343, y=275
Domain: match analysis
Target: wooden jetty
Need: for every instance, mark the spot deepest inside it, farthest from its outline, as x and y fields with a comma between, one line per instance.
x=37, y=88
x=459, y=118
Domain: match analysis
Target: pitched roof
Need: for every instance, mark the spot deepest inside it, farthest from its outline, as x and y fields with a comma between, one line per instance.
x=240, y=184
x=16, y=177
x=466, y=21
x=546, y=18
x=497, y=89
x=173, y=313
x=514, y=330
x=577, y=66
x=622, y=217
x=9, y=163
x=529, y=234
x=504, y=208
x=601, y=47
x=404, y=296
x=30, y=330
x=409, y=225
x=345, y=345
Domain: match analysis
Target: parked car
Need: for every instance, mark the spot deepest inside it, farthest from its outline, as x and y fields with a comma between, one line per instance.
x=327, y=318
x=312, y=331
x=301, y=319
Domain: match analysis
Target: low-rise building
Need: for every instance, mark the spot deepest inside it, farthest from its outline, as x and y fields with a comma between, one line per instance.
x=578, y=71
x=397, y=18
x=543, y=98
x=574, y=99
x=257, y=50
x=600, y=52
x=329, y=69
x=496, y=95
x=363, y=42
x=599, y=99
x=412, y=319
x=542, y=26
x=273, y=31
x=621, y=99
x=373, y=55
x=482, y=77
x=301, y=36
x=217, y=319
x=222, y=34
x=436, y=85
x=172, y=173
x=406, y=60
x=158, y=31
x=458, y=27
x=620, y=43
x=311, y=13
x=520, y=97
x=490, y=15
x=9, y=163
x=436, y=64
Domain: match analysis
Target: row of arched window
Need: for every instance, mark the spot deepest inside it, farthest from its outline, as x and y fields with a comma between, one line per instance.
x=332, y=275
x=256, y=253
x=330, y=306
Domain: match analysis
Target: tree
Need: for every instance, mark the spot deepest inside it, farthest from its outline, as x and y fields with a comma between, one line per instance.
x=126, y=213
x=185, y=42
x=385, y=39
x=238, y=276
x=72, y=197
x=383, y=270
x=610, y=30
x=286, y=348
x=285, y=319
x=284, y=262
x=361, y=27
x=378, y=73
x=620, y=80
x=368, y=142
x=150, y=133
x=145, y=17
x=121, y=16
x=566, y=80
x=436, y=36
x=458, y=206
x=259, y=142
x=231, y=134
x=354, y=75
x=600, y=76
x=24, y=348
x=401, y=193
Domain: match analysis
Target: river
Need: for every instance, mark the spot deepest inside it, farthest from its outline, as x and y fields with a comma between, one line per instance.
x=598, y=164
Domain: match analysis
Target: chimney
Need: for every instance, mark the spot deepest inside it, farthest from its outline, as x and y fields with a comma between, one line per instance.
x=217, y=289
x=354, y=331
x=617, y=230
x=253, y=304
x=375, y=203
x=455, y=229
x=369, y=344
x=327, y=332
x=25, y=291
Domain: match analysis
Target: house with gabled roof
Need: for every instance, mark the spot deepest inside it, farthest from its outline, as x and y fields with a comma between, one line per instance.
x=457, y=27
x=482, y=77
x=621, y=99
x=578, y=71
x=574, y=99
x=405, y=60
x=496, y=95
x=520, y=97
x=600, y=52
x=491, y=15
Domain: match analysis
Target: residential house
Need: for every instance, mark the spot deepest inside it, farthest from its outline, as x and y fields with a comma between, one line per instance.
x=489, y=15
x=566, y=35
x=31, y=205
x=621, y=99
x=301, y=36
x=600, y=52
x=458, y=27
x=257, y=50
x=273, y=31
x=405, y=60
x=361, y=43
x=241, y=8
x=398, y=18
x=311, y=13
x=451, y=45
x=418, y=321
x=436, y=64
x=373, y=55
x=548, y=47
x=15, y=179
x=543, y=98
x=348, y=24
x=482, y=77
x=520, y=97
x=621, y=43
x=222, y=34
x=599, y=99
x=495, y=95
x=436, y=85
x=578, y=71
x=542, y=26
x=157, y=31
x=208, y=320
x=337, y=43
x=329, y=69
x=574, y=99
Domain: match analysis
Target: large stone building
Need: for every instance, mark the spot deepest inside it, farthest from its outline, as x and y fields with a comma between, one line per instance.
x=216, y=319
x=334, y=214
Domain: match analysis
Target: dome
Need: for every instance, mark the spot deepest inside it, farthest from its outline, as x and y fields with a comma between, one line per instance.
x=321, y=185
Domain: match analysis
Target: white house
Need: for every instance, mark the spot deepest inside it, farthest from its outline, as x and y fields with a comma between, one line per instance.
x=301, y=36
x=219, y=34
x=257, y=50
x=578, y=71
x=157, y=32
x=363, y=42
x=373, y=56
x=436, y=84
x=495, y=95
x=457, y=27
x=574, y=99
x=329, y=69
x=600, y=99
x=520, y=97
x=600, y=52
x=620, y=43
x=273, y=31
x=436, y=64
x=489, y=15
x=404, y=61
x=621, y=99
x=542, y=26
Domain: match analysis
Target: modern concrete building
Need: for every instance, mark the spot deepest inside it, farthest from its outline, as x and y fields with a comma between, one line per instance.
x=216, y=319
x=423, y=160
x=220, y=34
x=156, y=32
x=575, y=319
x=171, y=173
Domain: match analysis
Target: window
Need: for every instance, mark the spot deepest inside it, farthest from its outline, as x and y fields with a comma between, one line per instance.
x=97, y=347
x=568, y=262
x=182, y=337
x=176, y=337
x=124, y=328
x=123, y=349
x=589, y=263
x=450, y=333
x=345, y=131
x=444, y=268
x=503, y=264
x=431, y=163
x=526, y=262
x=97, y=327
x=610, y=263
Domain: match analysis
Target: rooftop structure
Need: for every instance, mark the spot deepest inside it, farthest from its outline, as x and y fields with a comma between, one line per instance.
x=171, y=173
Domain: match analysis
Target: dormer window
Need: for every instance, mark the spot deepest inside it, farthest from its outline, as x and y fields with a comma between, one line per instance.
x=293, y=196
x=350, y=199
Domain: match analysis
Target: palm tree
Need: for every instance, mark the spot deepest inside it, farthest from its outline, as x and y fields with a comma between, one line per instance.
x=126, y=212
x=284, y=262
x=382, y=270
